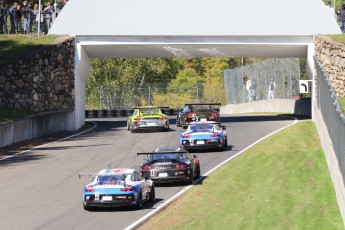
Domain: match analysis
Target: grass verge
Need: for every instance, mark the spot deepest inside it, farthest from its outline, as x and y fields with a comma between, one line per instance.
x=338, y=37
x=281, y=183
x=10, y=114
x=14, y=46
x=341, y=101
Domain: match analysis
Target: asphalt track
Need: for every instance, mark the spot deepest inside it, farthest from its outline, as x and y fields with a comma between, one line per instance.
x=40, y=189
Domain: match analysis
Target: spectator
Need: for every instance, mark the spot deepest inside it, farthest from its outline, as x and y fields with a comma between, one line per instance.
x=18, y=19
x=342, y=18
x=271, y=89
x=249, y=89
x=331, y=9
x=36, y=16
x=47, y=12
x=26, y=11
x=12, y=12
x=3, y=18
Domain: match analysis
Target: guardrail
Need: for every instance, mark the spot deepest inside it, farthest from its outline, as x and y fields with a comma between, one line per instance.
x=35, y=126
x=330, y=122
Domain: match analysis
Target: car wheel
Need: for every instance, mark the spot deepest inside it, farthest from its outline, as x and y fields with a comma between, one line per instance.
x=139, y=204
x=198, y=171
x=152, y=194
x=178, y=122
x=86, y=207
x=226, y=141
x=132, y=129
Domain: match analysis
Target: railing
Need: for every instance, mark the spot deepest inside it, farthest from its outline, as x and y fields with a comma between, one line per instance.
x=333, y=117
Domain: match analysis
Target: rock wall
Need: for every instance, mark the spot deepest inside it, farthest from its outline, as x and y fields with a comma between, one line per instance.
x=42, y=81
x=331, y=55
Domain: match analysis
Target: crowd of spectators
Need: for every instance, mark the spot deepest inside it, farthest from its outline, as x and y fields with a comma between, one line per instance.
x=27, y=17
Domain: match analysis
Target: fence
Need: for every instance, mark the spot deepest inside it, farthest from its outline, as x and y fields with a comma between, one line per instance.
x=29, y=19
x=332, y=115
x=116, y=97
x=253, y=82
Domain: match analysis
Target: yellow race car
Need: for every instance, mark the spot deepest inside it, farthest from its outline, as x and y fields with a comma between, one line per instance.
x=148, y=118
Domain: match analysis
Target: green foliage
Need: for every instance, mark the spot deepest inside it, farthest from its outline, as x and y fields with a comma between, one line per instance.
x=133, y=81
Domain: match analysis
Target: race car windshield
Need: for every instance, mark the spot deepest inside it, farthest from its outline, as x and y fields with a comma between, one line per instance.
x=111, y=178
x=149, y=111
x=201, y=127
x=176, y=156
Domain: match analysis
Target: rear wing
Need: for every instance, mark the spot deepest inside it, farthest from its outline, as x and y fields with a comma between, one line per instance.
x=153, y=107
x=201, y=103
x=167, y=152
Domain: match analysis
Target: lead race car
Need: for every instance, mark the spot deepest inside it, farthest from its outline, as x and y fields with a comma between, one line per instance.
x=204, y=135
x=148, y=118
x=117, y=187
x=170, y=165
x=197, y=111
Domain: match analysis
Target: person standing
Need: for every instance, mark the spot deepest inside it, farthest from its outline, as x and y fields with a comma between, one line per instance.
x=271, y=89
x=331, y=9
x=26, y=11
x=342, y=18
x=3, y=13
x=18, y=18
x=12, y=13
x=48, y=11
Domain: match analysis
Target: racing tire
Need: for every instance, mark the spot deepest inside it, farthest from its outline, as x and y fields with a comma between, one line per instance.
x=178, y=122
x=226, y=142
x=132, y=130
x=128, y=127
x=86, y=207
x=197, y=175
x=139, y=203
x=152, y=196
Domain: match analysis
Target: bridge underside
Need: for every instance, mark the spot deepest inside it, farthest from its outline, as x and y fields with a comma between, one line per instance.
x=195, y=46
x=181, y=46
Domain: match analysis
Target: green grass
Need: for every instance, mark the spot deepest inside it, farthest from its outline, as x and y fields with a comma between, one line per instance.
x=281, y=183
x=338, y=37
x=13, y=47
x=341, y=101
x=10, y=114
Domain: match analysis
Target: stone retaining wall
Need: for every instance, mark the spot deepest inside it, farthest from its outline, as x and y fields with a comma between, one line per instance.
x=331, y=55
x=42, y=81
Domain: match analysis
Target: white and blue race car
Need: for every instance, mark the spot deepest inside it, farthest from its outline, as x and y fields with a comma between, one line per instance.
x=204, y=135
x=117, y=187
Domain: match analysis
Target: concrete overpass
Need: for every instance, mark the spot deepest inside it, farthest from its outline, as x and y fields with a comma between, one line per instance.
x=193, y=28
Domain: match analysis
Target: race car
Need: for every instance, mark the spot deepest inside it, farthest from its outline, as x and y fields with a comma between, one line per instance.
x=204, y=135
x=170, y=165
x=148, y=118
x=117, y=187
x=197, y=111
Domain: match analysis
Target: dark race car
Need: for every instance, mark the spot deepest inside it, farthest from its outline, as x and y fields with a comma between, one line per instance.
x=170, y=165
x=197, y=111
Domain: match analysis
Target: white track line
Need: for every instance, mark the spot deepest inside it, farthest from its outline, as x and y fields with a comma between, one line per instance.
x=37, y=147
x=148, y=215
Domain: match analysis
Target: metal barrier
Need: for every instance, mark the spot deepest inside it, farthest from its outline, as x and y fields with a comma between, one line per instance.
x=333, y=117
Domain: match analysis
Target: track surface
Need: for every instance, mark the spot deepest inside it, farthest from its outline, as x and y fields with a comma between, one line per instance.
x=41, y=190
